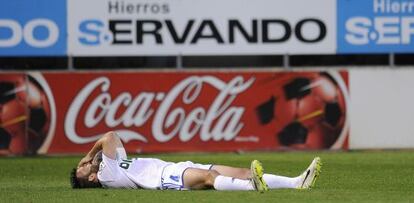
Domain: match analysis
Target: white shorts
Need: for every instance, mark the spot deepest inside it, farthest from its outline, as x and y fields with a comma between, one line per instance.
x=172, y=175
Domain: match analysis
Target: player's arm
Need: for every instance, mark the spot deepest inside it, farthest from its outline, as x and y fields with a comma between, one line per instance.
x=107, y=143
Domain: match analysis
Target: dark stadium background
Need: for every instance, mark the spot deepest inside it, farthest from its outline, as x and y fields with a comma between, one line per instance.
x=222, y=62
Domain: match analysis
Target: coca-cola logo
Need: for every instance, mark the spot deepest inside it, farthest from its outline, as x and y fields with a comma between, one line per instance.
x=221, y=120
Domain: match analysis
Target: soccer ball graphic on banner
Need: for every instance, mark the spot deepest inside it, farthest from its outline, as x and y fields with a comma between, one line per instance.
x=24, y=115
x=307, y=111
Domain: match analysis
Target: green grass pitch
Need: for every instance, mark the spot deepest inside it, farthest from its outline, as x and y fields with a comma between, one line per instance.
x=385, y=176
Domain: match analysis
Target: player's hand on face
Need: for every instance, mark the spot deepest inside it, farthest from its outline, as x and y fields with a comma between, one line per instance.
x=85, y=160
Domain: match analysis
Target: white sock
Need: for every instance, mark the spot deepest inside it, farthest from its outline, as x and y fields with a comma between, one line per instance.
x=229, y=183
x=275, y=181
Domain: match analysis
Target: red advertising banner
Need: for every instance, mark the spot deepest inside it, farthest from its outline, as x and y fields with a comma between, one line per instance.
x=175, y=111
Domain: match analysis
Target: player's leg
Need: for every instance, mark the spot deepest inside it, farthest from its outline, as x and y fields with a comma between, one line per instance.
x=273, y=181
x=304, y=181
x=195, y=178
x=241, y=173
x=202, y=179
x=232, y=178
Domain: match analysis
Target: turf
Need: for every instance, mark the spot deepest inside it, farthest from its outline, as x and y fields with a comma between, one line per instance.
x=385, y=176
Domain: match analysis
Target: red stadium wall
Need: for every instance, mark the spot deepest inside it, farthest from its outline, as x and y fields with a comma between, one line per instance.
x=156, y=111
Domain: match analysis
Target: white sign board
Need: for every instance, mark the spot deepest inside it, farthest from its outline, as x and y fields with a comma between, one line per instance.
x=201, y=27
x=382, y=110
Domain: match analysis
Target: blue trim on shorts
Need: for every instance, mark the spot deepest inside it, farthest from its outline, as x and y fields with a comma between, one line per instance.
x=171, y=186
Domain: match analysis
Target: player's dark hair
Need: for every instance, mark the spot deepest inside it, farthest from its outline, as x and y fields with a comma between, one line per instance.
x=77, y=183
x=74, y=182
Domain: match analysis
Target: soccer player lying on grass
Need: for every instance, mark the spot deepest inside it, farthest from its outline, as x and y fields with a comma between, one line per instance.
x=106, y=165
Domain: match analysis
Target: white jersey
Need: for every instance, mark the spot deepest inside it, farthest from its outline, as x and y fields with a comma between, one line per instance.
x=130, y=173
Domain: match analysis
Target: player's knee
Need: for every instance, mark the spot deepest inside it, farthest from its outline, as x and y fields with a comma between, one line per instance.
x=210, y=177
